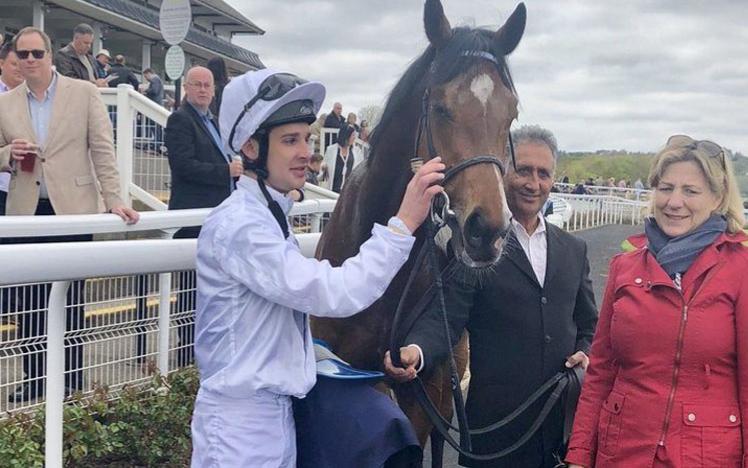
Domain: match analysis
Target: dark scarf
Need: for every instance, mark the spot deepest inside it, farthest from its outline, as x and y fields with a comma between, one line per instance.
x=676, y=254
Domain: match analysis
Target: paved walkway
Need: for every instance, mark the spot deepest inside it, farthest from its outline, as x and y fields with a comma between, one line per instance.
x=602, y=244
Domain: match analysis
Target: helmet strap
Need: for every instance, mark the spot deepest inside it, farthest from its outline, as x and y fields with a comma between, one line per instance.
x=259, y=167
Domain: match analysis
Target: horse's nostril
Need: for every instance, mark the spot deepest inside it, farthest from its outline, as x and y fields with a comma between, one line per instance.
x=478, y=232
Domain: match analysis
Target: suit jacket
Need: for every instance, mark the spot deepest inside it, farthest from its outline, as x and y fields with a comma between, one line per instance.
x=520, y=336
x=68, y=64
x=124, y=76
x=77, y=161
x=199, y=170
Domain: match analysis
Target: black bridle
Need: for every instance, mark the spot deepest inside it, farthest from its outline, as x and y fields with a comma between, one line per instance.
x=442, y=215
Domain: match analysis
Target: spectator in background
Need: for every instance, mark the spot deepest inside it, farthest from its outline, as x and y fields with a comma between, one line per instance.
x=334, y=120
x=580, y=189
x=351, y=120
x=102, y=63
x=123, y=73
x=622, y=184
x=10, y=78
x=598, y=181
x=154, y=92
x=63, y=163
x=364, y=133
x=155, y=89
x=340, y=159
x=217, y=66
x=75, y=59
x=201, y=176
x=316, y=129
x=314, y=167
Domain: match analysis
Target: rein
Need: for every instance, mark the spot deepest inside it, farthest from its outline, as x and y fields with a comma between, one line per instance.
x=441, y=216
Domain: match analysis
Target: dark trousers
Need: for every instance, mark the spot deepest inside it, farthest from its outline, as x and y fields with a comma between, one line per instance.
x=32, y=300
x=3, y=199
x=186, y=300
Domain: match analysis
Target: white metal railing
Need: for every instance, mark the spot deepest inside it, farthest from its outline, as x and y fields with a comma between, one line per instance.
x=591, y=211
x=139, y=138
x=623, y=192
x=62, y=263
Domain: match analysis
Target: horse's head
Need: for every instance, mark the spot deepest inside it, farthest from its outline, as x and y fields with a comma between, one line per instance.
x=469, y=104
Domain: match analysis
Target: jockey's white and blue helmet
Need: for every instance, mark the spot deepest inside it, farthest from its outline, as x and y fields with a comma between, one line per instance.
x=263, y=99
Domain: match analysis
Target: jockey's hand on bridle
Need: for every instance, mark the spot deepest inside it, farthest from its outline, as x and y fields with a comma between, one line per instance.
x=421, y=189
x=410, y=358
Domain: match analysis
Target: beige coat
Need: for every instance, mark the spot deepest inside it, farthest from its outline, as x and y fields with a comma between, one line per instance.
x=77, y=161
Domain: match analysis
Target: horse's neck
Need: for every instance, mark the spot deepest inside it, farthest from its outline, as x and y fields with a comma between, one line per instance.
x=388, y=175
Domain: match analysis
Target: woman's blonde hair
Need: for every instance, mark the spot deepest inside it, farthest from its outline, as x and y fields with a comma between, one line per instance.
x=716, y=167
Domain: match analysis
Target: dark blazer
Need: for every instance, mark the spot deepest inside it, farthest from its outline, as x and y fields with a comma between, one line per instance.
x=520, y=336
x=124, y=76
x=199, y=170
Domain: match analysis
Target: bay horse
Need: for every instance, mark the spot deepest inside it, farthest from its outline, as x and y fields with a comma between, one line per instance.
x=462, y=85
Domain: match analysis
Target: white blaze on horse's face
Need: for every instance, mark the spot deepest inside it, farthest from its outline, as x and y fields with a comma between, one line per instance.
x=482, y=88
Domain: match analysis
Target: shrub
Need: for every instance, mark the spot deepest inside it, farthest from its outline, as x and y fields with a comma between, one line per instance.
x=142, y=427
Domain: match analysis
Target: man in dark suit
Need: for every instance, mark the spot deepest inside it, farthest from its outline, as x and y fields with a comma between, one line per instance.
x=534, y=315
x=334, y=120
x=201, y=174
x=124, y=74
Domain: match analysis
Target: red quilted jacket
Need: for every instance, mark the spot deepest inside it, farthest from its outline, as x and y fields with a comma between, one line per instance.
x=668, y=368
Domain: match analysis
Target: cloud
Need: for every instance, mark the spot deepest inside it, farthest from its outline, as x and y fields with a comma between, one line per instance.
x=599, y=74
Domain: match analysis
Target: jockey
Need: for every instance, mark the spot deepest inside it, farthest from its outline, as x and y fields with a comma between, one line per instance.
x=255, y=290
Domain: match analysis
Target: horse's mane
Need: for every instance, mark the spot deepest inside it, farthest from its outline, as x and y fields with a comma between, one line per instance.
x=433, y=69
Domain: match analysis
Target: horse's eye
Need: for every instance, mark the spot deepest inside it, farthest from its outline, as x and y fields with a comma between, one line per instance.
x=442, y=111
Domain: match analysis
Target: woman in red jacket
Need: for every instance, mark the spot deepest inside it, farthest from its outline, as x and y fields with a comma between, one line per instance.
x=667, y=384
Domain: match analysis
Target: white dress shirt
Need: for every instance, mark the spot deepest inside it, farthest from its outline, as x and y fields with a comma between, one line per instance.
x=255, y=291
x=535, y=246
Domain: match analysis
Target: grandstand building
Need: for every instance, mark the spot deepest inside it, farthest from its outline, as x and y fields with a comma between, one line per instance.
x=130, y=28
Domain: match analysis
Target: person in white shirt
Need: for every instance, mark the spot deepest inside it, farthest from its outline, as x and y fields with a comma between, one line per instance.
x=533, y=315
x=340, y=159
x=255, y=290
x=10, y=78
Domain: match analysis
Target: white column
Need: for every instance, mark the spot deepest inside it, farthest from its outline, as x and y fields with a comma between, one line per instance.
x=146, y=55
x=38, y=14
x=97, y=39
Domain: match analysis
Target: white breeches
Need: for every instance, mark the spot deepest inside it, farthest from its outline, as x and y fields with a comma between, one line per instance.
x=257, y=431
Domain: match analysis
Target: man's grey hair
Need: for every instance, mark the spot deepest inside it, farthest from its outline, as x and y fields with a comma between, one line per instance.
x=83, y=29
x=535, y=134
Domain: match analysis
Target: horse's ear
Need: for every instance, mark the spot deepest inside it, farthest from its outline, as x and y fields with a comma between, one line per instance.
x=436, y=23
x=509, y=35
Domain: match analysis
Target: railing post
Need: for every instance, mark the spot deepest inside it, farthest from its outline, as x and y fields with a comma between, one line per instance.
x=55, y=374
x=124, y=141
x=164, y=313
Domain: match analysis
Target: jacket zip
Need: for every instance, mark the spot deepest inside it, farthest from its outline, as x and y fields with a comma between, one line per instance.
x=679, y=351
x=676, y=371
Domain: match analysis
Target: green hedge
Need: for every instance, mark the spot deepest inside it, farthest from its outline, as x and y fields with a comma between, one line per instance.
x=143, y=427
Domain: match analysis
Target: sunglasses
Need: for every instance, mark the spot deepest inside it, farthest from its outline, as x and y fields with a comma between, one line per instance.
x=710, y=148
x=24, y=54
x=272, y=88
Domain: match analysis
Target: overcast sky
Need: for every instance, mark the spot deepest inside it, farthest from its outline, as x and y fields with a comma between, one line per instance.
x=600, y=74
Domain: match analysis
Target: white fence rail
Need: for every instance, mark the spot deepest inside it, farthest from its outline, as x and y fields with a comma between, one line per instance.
x=591, y=211
x=67, y=264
